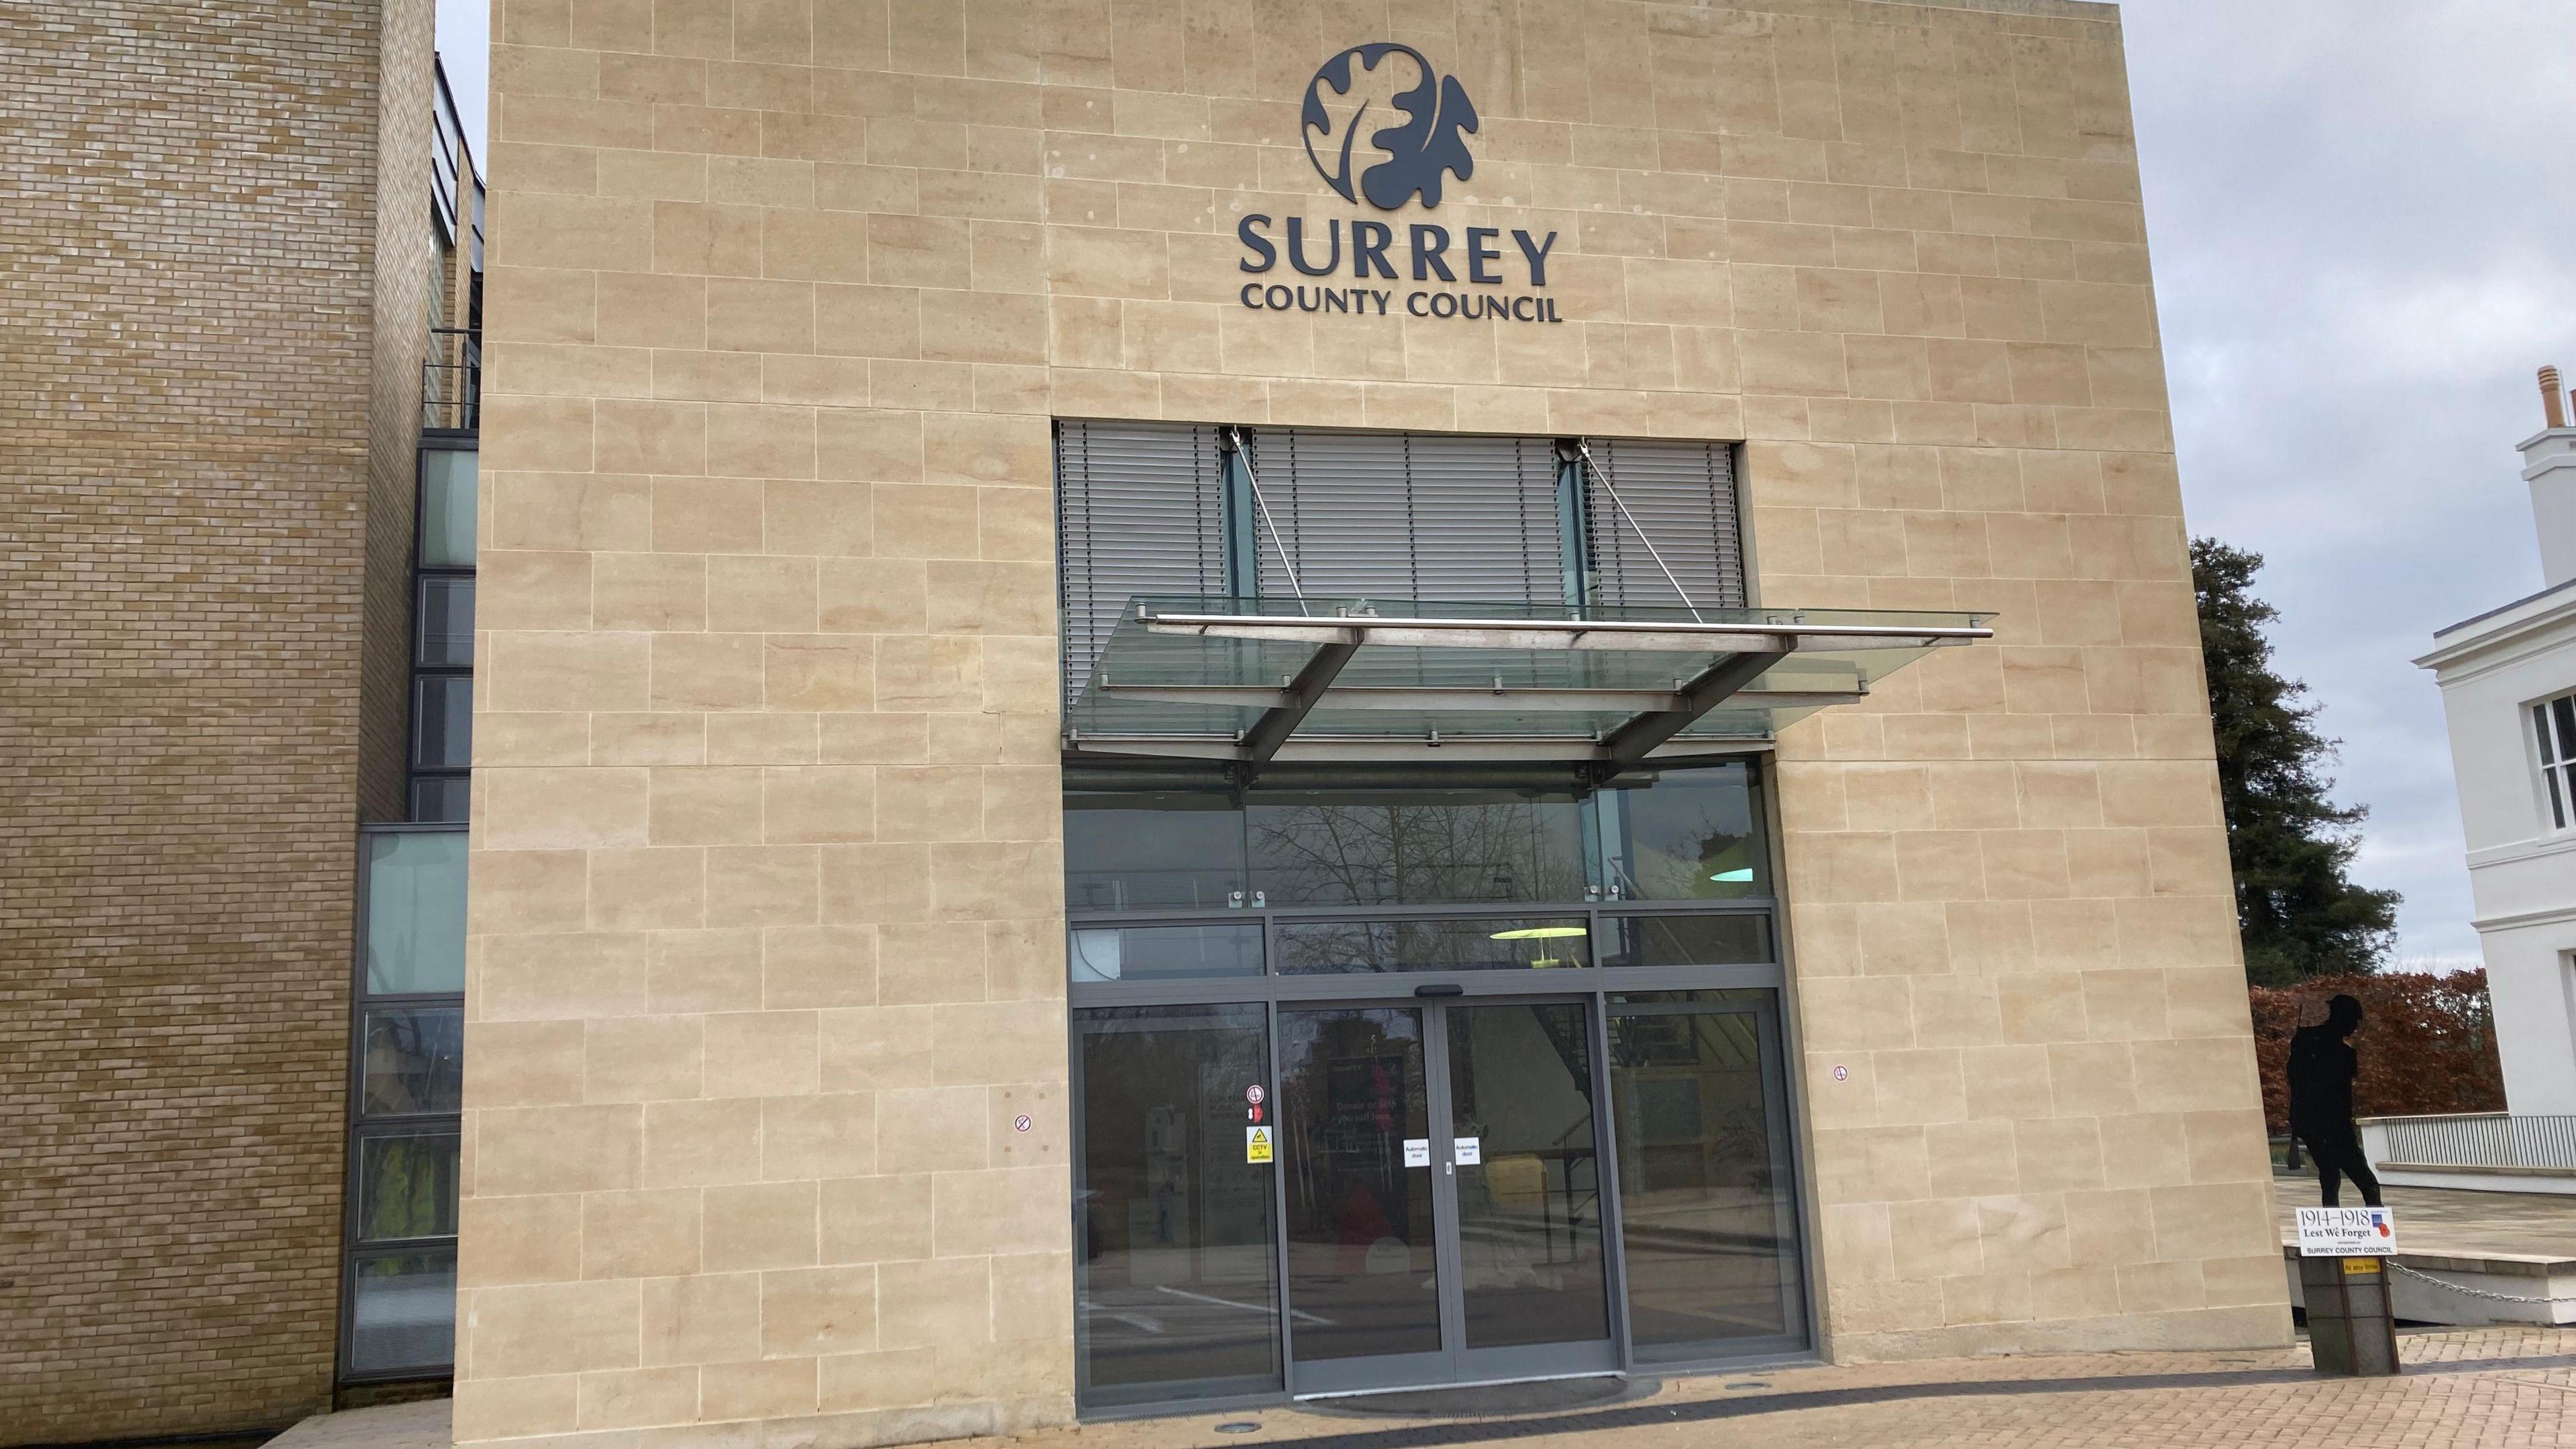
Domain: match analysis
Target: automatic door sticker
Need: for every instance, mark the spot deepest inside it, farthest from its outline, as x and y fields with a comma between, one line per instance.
x=1470, y=1151
x=1256, y=1144
x=1417, y=1152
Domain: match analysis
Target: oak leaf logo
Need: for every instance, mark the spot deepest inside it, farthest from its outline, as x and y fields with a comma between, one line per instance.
x=1350, y=109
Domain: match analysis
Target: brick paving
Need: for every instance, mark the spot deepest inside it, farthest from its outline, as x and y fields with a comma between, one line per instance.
x=2495, y=1388
x=2499, y=1387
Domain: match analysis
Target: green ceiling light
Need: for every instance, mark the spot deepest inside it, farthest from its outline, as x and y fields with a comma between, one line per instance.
x=1540, y=933
x=1741, y=875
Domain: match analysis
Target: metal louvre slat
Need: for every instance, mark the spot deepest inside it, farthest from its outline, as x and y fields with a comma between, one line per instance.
x=1683, y=495
x=1411, y=515
x=1140, y=509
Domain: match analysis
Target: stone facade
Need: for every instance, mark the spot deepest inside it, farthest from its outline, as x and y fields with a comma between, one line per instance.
x=767, y=938
x=195, y=320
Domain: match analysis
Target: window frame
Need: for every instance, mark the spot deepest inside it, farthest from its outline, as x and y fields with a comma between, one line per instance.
x=2553, y=755
x=361, y=1125
x=415, y=775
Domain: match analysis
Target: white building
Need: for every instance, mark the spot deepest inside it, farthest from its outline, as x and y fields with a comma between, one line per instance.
x=2508, y=680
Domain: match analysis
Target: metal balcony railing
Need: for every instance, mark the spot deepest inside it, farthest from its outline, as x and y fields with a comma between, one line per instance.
x=2496, y=1139
x=451, y=381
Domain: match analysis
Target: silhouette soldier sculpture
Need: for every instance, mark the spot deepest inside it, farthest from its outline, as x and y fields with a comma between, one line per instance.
x=2322, y=1066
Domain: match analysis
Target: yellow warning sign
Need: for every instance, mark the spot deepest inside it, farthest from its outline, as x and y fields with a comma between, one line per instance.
x=2361, y=1265
x=1256, y=1144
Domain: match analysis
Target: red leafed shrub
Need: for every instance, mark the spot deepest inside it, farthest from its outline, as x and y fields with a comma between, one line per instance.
x=2427, y=1043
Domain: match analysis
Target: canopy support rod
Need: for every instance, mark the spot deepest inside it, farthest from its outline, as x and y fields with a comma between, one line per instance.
x=1261, y=508
x=1304, y=692
x=1634, y=740
x=1584, y=450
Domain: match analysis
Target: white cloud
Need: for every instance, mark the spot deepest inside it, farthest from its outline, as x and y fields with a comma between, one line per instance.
x=465, y=48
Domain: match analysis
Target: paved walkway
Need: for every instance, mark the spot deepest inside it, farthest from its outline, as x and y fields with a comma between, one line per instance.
x=2494, y=1388
x=2448, y=1221
x=2498, y=1388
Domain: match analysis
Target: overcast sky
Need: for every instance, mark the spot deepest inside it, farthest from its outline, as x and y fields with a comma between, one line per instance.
x=2360, y=213
x=2361, y=223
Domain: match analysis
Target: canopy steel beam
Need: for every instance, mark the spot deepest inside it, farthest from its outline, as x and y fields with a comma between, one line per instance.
x=1304, y=692
x=1381, y=749
x=1628, y=635
x=1632, y=741
x=1504, y=700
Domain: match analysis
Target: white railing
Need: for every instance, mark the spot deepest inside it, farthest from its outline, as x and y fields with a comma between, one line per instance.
x=2486, y=1139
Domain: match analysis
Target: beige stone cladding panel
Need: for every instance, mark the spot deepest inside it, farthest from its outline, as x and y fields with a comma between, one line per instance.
x=783, y=297
x=767, y=878
x=187, y=346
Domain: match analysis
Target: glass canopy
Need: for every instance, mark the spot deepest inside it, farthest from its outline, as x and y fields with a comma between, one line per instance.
x=1254, y=679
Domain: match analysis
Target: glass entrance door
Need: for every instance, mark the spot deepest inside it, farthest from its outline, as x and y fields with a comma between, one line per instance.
x=1440, y=1165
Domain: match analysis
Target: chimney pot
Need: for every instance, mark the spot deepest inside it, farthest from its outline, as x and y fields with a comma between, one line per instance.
x=2553, y=401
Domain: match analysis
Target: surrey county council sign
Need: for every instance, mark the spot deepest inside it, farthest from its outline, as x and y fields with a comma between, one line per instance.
x=1416, y=154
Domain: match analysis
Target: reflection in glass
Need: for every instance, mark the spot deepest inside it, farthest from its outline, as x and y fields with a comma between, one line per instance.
x=1529, y=1214
x=1697, y=940
x=1415, y=847
x=407, y=1187
x=404, y=1313
x=1689, y=835
x=1164, y=953
x=1705, y=1197
x=413, y=1062
x=1457, y=836
x=415, y=912
x=442, y=729
x=1491, y=944
x=1362, y=1247
x=447, y=508
x=440, y=799
x=1140, y=850
x=446, y=623
x=1174, y=1293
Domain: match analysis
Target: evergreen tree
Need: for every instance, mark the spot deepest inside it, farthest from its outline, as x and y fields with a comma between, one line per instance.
x=2299, y=914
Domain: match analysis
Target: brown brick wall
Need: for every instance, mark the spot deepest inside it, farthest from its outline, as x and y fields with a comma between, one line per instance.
x=187, y=303
x=407, y=305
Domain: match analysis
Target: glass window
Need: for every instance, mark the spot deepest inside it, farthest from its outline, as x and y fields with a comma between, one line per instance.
x=1690, y=835
x=1529, y=1209
x=403, y=1312
x=447, y=508
x=446, y=623
x=1698, y=940
x=1144, y=850
x=1415, y=846
x=1161, y=953
x=1362, y=1228
x=439, y=799
x=1707, y=1207
x=2555, y=723
x=442, y=731
x=1455, y=836
x=415, y=912
x=407, y=1186
x=1175, y=1286
x=412, y=1061
x=1310, y=948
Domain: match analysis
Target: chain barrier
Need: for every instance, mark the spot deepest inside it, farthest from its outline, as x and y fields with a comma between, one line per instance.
x=2396, y=1267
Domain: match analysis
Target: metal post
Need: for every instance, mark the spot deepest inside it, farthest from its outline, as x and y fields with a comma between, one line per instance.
x=1261, y=506
x=2351, y=1328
